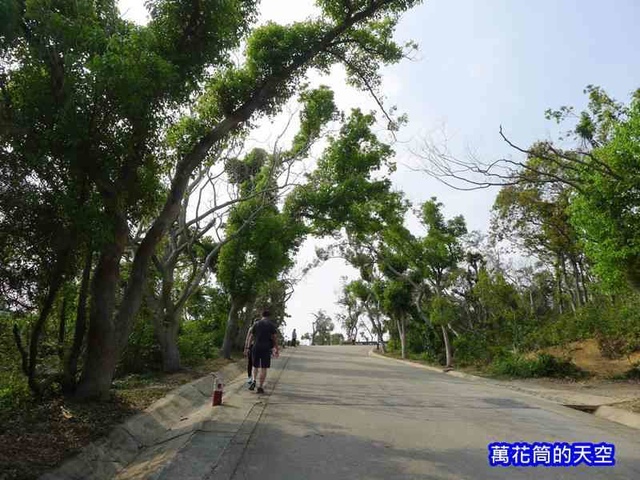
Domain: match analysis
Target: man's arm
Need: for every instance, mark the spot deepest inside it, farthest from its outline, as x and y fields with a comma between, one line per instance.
x=274, y=339
x=247, y=341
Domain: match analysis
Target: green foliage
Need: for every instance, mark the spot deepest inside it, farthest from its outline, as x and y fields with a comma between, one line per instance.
x=265, y=238
x=476, y=349
x=142, y=352
x=544, y=365
x=442, y=311
x=14, y=394
x=602, y=173
x=14, y=391
x=206, y=312
x=198, y=341
x=397, y=299
x=607, y=207
x=193, y=34
x=341, y=193
x=318, y=109
x=322, y=328
x=441, y=249
x=617, y=330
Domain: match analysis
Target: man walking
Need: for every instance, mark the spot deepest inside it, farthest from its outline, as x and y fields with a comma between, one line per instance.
x=294, y=338
x=264, y=336
x=247, y=351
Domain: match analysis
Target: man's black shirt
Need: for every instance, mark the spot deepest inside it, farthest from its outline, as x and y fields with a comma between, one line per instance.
x=262, y=332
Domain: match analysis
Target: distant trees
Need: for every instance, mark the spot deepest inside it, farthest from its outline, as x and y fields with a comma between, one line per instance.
x=322, y=328
x=447, y=295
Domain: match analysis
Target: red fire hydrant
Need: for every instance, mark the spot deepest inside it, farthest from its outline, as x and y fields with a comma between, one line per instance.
x=218, y=388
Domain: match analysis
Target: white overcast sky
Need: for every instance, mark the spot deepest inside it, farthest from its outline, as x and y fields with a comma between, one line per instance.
x=481, y=64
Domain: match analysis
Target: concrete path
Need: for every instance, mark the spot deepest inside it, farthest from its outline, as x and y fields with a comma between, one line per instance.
x=336, y=413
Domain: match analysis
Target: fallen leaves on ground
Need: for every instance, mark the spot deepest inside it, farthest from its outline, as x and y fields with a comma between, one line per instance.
x=41, y=435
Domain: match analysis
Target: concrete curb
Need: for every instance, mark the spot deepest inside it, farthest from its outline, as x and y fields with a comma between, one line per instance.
x=605, y=411
x=167, y=422
x=618, y=415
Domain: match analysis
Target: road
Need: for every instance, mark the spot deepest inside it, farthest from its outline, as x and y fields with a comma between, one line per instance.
x=336, y=412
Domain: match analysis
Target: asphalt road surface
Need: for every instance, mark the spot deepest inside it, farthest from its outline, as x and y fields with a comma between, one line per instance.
x=338, y=413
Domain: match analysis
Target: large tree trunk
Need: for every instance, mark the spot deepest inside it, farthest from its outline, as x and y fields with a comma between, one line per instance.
x=447, y=347
x=560, y=292
x=166, y=326
x=62, y=328
x=245, y=323
x=377, y=327
x=167, y=335
x=572, y=292
x=71, y=364
x=584, y=279
x=38, y=328
x=381, y=343
x=230, y=332
x=403, y=338
x=103, y=348
x=167, y=322
x=168, y=314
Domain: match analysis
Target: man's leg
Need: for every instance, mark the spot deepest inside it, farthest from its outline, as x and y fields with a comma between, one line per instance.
x=262, y=376
x=265, y=363
x=255, y=360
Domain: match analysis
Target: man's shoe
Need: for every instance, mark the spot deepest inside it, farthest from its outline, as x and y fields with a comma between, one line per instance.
x=252, y=385
x=260, y=390
x=249, y=381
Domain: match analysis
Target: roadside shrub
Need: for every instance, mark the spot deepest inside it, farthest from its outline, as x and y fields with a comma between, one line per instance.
x=618, y=331
x=393, y=345
x=469, y=350
x=142, y=352
x=198, y=341
x=633, y=373
x=562, y=329
x=543, y=365
x=14, y=394
x=475, y=350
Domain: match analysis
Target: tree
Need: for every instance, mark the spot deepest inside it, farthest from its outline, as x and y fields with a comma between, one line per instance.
x=535, y=217
x=369, y=298
x=342, y=192
x=267, y=253
x=599, y=174
x=442, y=251
x=88, y=99
x=606, y=208
x=256, y=258
x=397, y=303
x=322, y=328
x=351, y=320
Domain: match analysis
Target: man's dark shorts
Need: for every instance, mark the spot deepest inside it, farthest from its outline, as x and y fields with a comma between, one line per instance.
x=261, y=357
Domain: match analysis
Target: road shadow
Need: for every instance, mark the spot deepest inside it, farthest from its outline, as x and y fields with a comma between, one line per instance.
x=329, y=451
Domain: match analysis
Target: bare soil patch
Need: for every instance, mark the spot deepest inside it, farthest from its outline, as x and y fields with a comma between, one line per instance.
x=586, y=355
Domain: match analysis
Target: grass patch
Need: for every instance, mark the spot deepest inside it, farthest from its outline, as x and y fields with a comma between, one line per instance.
x=541, y=366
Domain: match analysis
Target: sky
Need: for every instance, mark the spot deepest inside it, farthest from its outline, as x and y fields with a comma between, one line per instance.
x=481, y=65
